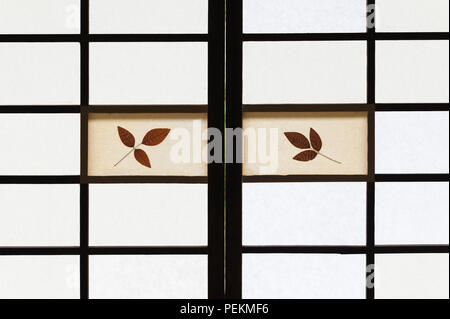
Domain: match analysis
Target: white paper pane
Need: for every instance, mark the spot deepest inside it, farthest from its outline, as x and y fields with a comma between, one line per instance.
x=39, y=277
x=40, y=144
x=39, y=17
x=148, y=73
x=149, y=277
x=411, y=142
x=412, y=71
x=411, y=276
x=143, y=214
x=39, y=73
x=304, y=72
x=303, y=276
x=39, y=215
x=412, y=15
x=143, y=16
x=304, y=214
x=412, y=213
x=304, y=16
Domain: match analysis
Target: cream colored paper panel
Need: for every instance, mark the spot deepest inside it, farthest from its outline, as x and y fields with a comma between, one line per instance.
x=412, y=71
x=267, y=150
x=304, y=16
x=148, y=73
x=39, y=16
x=148, y=277
x=412, y=15
x=146, y=214
x=304, y=72
x=182, y=152
x=144, y=16
x=411, y=276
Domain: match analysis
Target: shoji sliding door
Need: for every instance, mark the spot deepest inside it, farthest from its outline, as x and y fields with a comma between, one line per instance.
x=105, y=188
x=343, y=187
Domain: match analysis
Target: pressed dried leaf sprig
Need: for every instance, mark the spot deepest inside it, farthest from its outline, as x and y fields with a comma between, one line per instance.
x=311, y=149
x=152, y=138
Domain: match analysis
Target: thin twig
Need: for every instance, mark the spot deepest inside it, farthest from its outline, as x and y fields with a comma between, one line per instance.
x=329, y=158
x=127, y=154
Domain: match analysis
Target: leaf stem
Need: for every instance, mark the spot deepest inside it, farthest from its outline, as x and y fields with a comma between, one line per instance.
x=329, y=158
x=134, y=147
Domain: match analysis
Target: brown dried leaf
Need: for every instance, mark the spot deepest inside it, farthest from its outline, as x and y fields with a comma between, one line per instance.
x=126, y=137
x=155, y=136
x=297, y=139
x=305, y=156
x=142, y=157
x=316, y=142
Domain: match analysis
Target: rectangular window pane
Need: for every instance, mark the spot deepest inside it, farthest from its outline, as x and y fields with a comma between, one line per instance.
x=268, y=151
x=411, y=142
x=412, y=16
x=148, y=73
x=142, y=215
x=304, y=214
x=40, y=144
x=39, y=17
x=304, y=16
x=412, y=71
x=39, y=215
x=148, y=277
x=299, y=276
x=304, y=72
x=39, y=277
x=412, y=213
x=39, y=73
x=411, y=276
x=182, y=152
x=143, y=16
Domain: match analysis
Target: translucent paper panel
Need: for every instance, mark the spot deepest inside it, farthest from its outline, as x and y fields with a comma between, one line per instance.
x=411, y=142
x=304, y=72
x=304, y=214
x=304, y=16
x=147, y=214
x=143, y=16
x=43, y=16
x=39, y=215
x=412, y=276
x=181, y=152
x=40, y=144
x=148, y=73
x=39, y=277
x=412, y=16
x=268, y=150
x=299, y=276
x=148, y=277
x=39, y=73
x=412, y=71
x=412, y=213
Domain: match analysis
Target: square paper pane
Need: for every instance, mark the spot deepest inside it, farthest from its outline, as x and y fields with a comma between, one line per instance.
x=148, y=73
x=39, y=73
x=304, y=16
x=143, y=16
x=39, y=277
x=411, y=276
x=304, y=72
x=40, y=144
x=143, y=215
x=412, y=15
x=39, y=17
x=39, y=215
x=412, y=71
x=300, y=276
x=304, y=214
x=148, y=277
x=411, y=213
x=411, y=142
